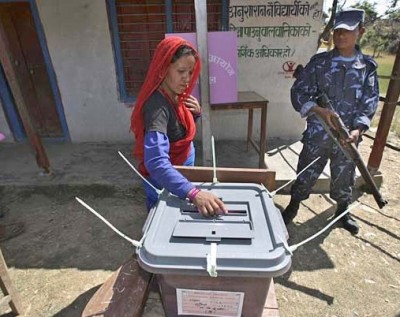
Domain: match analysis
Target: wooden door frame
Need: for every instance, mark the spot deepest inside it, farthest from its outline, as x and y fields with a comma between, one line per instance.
x=15, y=125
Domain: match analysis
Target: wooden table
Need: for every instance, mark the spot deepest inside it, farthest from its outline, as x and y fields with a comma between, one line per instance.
x=249, y=100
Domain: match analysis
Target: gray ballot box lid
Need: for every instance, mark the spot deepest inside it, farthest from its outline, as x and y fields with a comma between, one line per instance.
x=249, y=239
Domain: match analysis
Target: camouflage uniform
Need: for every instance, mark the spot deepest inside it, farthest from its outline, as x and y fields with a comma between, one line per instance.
x=352, y=86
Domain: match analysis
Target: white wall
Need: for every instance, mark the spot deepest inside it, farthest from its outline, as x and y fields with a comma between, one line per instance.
x=265, y=75
x=79, y=42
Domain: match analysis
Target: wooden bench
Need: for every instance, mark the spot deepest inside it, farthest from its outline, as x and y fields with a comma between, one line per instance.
x=11, y=297
x=230, y=175
x=124, y=293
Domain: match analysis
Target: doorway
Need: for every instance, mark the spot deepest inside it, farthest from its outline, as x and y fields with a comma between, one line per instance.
x=25, y=50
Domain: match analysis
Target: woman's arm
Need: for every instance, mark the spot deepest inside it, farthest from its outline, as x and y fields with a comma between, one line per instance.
x=158, y=164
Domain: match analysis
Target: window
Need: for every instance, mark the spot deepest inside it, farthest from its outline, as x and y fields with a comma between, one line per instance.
x=137, y=26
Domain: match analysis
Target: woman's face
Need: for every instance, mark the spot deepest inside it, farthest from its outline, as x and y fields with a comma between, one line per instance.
x=179, y=75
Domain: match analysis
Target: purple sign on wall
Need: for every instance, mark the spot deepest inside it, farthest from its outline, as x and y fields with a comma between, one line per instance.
x=222, y=65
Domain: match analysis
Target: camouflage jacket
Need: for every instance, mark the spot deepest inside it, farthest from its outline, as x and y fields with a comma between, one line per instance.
x=350, y=83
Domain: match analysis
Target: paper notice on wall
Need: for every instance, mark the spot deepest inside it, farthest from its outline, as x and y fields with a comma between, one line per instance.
x=209, y=303
x=222, y=65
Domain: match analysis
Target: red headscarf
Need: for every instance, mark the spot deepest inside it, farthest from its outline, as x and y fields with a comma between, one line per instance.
x=156, y=73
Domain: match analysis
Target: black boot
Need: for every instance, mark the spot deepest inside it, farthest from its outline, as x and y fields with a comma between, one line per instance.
x=348, y=222
x=291, y=211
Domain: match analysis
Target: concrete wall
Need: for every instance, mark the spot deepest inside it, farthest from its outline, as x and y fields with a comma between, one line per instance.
x=79, y=42
x=268, y=75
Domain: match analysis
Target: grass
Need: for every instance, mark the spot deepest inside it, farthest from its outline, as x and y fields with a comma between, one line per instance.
x=385, y=67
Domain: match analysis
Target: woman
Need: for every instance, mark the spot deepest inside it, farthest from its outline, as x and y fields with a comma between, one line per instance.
x=164, y=127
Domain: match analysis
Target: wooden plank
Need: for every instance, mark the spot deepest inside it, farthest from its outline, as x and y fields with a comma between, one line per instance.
x=271, y=308
x=124, y=294
x=271, y=297
x=5, y=301
x=11, y=296
x=387, y=114
x=270, y=313
x=230, y=175
x=11, y=76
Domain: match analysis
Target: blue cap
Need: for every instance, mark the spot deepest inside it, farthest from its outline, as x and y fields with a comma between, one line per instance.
x=349, y=19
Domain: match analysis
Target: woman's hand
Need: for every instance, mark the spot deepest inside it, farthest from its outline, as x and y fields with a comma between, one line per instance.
x=192, y=104
x=208, y=204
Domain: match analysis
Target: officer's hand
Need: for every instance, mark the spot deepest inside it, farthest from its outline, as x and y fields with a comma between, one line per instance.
x=208, y=204
x=354, y=136
x=326, y=114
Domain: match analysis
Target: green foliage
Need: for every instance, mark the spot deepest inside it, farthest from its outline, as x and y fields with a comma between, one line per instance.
x=382, y=32
x=385, y=67
x=371, y=15
x=393, y=31
x=383, y=35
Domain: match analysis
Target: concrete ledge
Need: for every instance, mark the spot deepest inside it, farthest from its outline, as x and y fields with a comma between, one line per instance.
x=98, y=165
x=282, y=156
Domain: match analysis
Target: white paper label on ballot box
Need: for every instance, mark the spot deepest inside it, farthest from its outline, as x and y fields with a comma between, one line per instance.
x=209, y=303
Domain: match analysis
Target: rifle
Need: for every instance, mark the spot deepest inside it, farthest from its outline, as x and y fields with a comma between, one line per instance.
x=349, y=149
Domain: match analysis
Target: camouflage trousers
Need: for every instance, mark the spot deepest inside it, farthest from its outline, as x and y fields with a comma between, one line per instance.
x=342, y=172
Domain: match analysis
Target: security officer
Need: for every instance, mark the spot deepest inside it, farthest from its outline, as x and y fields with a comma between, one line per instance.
x=349, y=78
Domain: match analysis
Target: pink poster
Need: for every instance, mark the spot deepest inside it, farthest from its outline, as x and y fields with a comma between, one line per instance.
x=222, y=63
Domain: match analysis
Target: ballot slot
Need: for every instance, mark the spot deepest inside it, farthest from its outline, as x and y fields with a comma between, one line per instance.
x=234, y=208
x=236, y=224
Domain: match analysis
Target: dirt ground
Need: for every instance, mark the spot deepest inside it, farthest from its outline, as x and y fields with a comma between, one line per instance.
x=66, y=253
